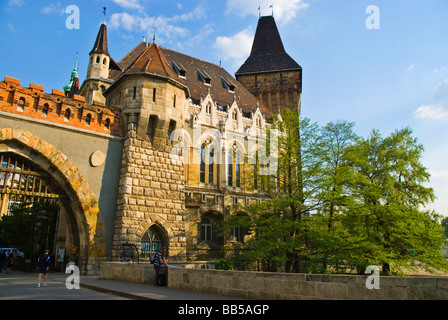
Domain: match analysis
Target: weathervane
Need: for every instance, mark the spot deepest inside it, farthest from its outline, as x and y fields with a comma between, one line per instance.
x=104, y=12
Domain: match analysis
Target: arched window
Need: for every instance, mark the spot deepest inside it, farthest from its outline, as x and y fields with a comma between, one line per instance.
x=21, y=105
x=206, y=229
x=208, y=109
x=211, y=162
x=67, y=115
x=202, y=166
x=105, y=61
x=45, y=110
x=88, y=119
x=98, y=59
x=238, y=159
x=235, y=115
x=103, y=88
x=230, y=168
x=152, y=241
x=107, y=124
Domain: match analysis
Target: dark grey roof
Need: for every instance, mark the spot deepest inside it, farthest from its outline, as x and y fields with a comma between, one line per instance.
x=268, y=53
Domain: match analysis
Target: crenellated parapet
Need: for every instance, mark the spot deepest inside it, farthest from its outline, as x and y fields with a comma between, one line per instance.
x=33, y=102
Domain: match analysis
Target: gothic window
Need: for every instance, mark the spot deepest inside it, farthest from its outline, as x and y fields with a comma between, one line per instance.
x=208, y=109
x=152, y=241
x=235, y=115
x=238, y=169
x=202, y=166
x=21, y=105
x=210, y=166
x=67, y=115
x=230, y=169
x=206, y=229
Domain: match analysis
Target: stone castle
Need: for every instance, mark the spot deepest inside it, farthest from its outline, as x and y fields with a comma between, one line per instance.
x=155, y=149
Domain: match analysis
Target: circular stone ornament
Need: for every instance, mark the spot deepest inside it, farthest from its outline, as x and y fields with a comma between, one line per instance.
x=97, y=158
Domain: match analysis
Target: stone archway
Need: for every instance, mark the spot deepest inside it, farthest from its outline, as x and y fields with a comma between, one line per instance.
x=83, y=204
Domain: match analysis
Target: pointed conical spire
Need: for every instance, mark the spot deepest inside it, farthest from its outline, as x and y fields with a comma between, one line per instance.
x=268, y=53
x=73, y=79
x=101, y=41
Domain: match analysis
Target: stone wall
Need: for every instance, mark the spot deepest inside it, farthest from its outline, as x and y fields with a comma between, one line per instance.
x=281, y=286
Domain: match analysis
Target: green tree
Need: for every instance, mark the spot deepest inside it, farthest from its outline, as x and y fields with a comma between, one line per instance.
x=387, y=215
x=30, y=227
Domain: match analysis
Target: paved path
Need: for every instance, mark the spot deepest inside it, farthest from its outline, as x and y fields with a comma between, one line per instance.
x=23, y=286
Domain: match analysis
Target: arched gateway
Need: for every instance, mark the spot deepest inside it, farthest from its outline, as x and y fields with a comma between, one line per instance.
x=79, y=201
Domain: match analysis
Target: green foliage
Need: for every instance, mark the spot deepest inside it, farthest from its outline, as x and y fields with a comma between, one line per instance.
x=341, y=203
x=35, y=220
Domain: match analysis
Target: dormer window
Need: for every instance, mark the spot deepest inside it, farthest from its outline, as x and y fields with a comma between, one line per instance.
x=204, y=77
x=180, y=70
x=226, y=84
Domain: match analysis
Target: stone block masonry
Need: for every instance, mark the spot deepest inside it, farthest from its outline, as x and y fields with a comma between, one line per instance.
x=283, y=286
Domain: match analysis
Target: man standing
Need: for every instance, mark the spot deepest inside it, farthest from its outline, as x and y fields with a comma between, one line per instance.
x=160, y=266
x=43, y=264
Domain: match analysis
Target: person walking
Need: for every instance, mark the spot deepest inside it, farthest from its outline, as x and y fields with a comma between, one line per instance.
x=2, y=259
x=43, y=264
x=10, y=262
x=160, y=267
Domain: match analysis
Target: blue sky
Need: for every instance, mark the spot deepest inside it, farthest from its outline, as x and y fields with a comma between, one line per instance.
x=383, y=79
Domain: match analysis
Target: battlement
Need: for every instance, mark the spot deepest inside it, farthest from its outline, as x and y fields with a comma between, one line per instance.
x=33, y=102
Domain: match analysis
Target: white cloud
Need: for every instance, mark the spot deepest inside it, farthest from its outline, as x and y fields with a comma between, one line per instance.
x=53, y=8
x=431, y=112
x=129, y=4
x=284, y=10
x=167, y=28
x=235, y=48
x=411, y=67
x=16, y=3
x=438, y=110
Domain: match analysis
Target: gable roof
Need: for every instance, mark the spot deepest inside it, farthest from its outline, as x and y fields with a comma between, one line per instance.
x=199, y=76
x=268, y=53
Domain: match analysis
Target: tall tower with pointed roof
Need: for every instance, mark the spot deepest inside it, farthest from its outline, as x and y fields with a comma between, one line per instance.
x=100, y=64
x=270, y=73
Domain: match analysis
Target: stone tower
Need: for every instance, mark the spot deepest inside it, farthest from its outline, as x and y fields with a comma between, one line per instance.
x=100, y=63
x=151, y=199
x=270, y=73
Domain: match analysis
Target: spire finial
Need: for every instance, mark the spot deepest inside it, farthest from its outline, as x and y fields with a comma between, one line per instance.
x=104, y=12
x=272, y=7
x=155, y=37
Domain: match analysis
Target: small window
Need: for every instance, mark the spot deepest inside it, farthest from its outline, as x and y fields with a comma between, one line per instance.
x=174, y=102
x=103, y=88
x=206, y=230
x=135, y=92
x=107, y=125
x=45, y=110
x=154, y=92
x=67, y=115
x=105, y=61
x=88, y=120
x=98, y=59
x=21, y=105
x=208, y=109
x=235, y=115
